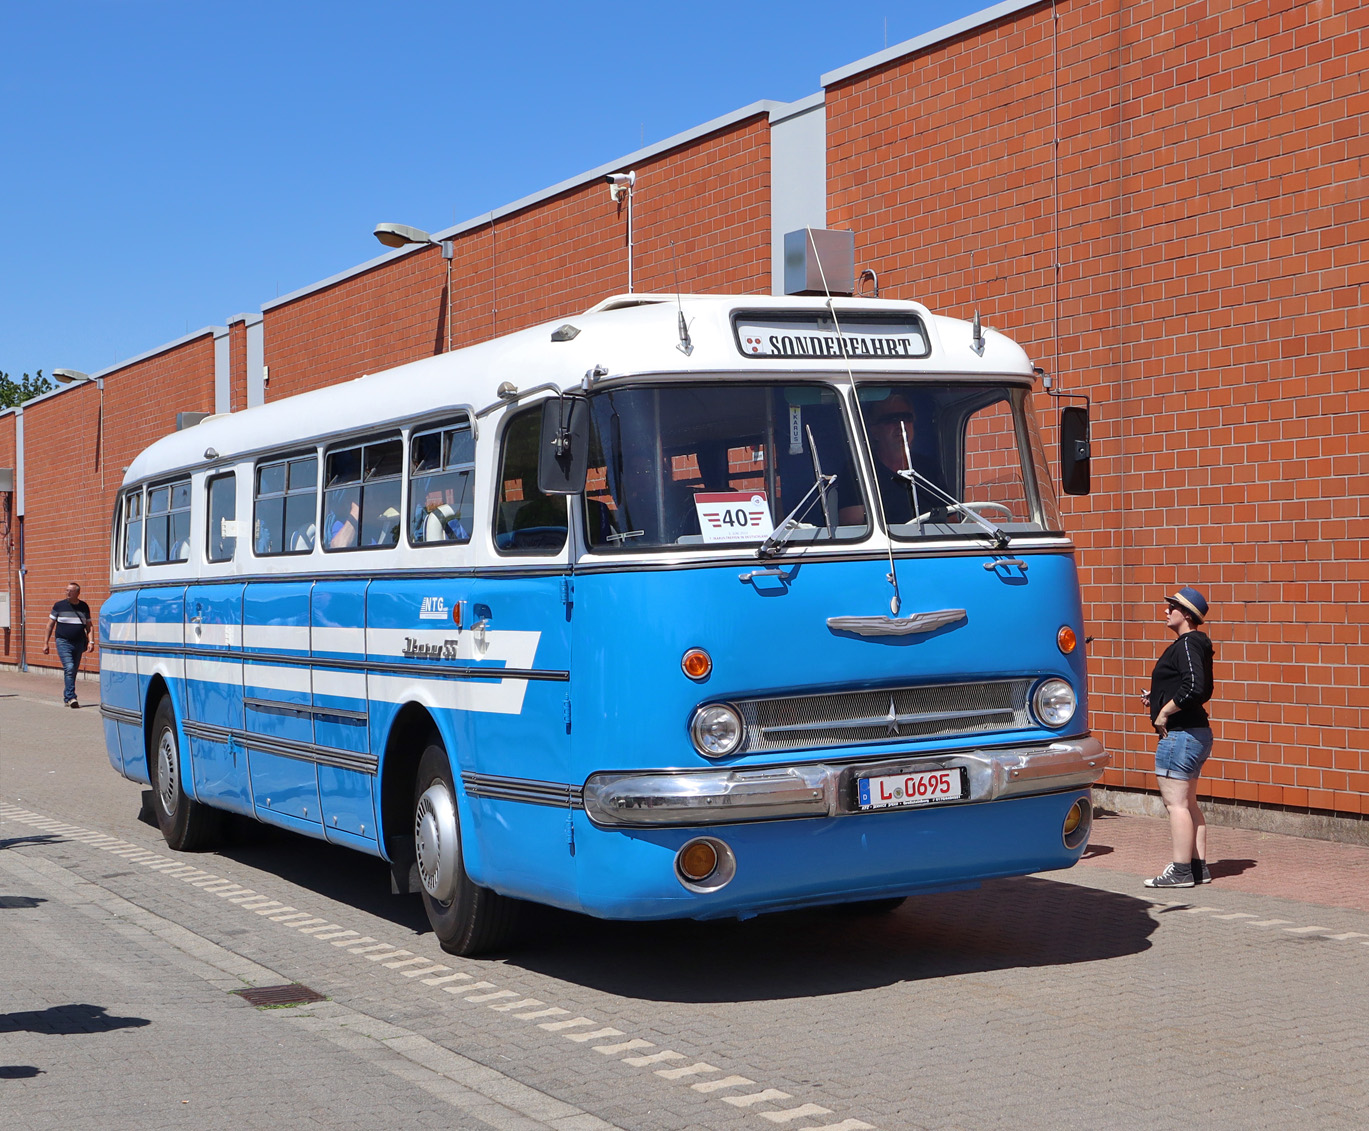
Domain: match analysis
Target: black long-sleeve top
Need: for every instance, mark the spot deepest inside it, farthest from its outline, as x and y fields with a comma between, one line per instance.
x=1183, y=673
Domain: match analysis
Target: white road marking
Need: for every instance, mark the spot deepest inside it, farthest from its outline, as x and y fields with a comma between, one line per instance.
x=725, y=1082
x=446, y=978
x=1237, y=915
x=492, y=995
x=1349, y=935
x=598, y=1034
x=624, y=1046
x=654, y=1058
x=550, y=1011
x=795, y=1113
x=510, y=1006
x=433, y=969
x=698, y=1068
x=844, y=1125
x=768, y=1096
x=1269, y=922
x=364, y=949
x=557, y=1026
x=1304, y=930
x=340, y=933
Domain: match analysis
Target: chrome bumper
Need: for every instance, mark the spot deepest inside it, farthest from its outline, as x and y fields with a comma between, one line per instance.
x=720, y=797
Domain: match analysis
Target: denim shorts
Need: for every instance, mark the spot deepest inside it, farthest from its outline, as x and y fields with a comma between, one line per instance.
x=1181, y=753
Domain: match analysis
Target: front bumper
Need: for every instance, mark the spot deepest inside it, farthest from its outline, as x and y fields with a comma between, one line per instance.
x=662, y=799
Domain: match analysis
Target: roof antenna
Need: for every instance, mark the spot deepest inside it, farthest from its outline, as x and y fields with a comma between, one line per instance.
x=976, y=329
x=686, y=345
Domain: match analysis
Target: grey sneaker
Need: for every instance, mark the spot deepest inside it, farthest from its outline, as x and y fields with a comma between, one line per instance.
x=1175, y=876
x=73, y=704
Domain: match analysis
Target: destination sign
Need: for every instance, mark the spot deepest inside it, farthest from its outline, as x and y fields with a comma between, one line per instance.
x=860, y=339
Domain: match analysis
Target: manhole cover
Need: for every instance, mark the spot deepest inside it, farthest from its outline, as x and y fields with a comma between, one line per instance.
x=292, y=994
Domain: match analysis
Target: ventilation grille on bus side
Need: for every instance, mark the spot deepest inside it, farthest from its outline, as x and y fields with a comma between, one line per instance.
x=937, y=711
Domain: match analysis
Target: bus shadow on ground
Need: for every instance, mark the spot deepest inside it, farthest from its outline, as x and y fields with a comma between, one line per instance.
x=1006, y=924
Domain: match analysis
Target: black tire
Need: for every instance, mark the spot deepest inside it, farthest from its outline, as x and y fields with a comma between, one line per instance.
x=186, y=825
x=472, y=919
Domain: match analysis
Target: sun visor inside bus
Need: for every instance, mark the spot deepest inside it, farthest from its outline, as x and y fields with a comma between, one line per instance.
x=563, y=454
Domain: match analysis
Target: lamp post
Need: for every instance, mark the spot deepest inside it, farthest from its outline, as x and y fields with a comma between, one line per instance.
x=401, y=235
x=76, y=377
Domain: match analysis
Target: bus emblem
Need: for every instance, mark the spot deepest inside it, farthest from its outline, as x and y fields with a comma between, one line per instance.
x=433, y=608
x=418, y=650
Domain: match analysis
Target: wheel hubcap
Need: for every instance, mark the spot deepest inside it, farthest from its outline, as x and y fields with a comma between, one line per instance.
x=435, y=842
x=166, y=771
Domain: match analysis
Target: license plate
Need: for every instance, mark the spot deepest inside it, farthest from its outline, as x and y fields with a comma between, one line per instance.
x=923, y=787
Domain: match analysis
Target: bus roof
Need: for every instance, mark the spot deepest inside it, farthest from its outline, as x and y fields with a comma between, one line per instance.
x=623, y=335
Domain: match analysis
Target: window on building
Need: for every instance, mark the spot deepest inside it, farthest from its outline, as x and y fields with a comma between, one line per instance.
x=223, y=517
x=168, y=522
x=441, y=479
x=286, y=504
x=362, y=496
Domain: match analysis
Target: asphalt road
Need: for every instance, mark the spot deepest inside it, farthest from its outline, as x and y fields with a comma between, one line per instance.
x=1056, y=1001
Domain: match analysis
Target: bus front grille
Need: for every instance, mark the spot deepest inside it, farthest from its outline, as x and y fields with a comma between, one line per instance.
x=801, y=722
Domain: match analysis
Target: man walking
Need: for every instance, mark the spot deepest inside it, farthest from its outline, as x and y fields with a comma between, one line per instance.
x=71, y=620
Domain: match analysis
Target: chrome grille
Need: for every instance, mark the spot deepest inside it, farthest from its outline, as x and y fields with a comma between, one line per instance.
x=801, y=722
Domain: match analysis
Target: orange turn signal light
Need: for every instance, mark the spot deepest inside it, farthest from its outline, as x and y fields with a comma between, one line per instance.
x=697, y=663
x=1066, y=639
x=697, y=860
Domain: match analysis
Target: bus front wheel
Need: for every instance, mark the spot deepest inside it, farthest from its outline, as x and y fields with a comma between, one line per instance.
x=186, y=825
x=468, y=919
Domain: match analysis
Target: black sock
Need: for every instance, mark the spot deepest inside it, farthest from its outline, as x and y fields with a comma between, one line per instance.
x=1197, y=865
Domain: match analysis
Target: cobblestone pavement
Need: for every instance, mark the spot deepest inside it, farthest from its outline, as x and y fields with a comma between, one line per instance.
x=1064, y=1000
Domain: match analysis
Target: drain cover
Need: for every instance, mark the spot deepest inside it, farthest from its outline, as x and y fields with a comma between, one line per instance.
x=292, y=994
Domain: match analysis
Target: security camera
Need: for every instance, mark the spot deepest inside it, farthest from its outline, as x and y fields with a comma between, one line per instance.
x=619, y=183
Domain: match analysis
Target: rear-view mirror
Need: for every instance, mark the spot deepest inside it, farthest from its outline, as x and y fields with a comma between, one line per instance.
x=1074, y=450
x=563, y=453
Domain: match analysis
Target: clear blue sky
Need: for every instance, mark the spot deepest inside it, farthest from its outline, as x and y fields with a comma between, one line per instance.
x=165, y=164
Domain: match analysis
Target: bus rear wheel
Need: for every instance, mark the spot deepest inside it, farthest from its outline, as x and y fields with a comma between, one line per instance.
x=468, y=919
x=186, y=825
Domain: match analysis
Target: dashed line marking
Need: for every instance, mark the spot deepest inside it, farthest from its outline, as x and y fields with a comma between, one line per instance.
x=844, y=1125
x=696, y=1069
x=1304, y=930
x=557, y=1026
x=598, y=1034
x=550, y=1011
x=1237, y=915
x=795, y=1113
x=418, y=961
x=770, y=1095
x=654, y=1058
x=433, y=969
x=492, y=995
x=1349, y=935
x=510, y=1006
x=725, y=1082
x=1269, y=922
x=624, y=1046
x=446, y=978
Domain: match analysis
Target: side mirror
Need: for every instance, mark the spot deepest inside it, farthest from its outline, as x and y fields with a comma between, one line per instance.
x=563, y=452
x=1074, y=450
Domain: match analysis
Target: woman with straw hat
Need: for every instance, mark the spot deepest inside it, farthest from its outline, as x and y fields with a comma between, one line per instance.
x=1179, y=686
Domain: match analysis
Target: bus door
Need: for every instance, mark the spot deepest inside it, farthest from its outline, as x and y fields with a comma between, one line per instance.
x=278, y=703
x=346, y=766
x=213, y=699
x=121, y=694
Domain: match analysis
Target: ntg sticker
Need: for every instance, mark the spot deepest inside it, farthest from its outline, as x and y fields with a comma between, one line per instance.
x=434, y=608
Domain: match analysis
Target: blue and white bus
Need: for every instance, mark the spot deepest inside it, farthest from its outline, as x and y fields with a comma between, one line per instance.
x=689, y=607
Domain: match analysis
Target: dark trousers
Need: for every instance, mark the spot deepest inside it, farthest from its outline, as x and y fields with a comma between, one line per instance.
x=70, y=653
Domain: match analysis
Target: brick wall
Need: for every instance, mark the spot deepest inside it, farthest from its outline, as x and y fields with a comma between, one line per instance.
x=9, y=543
x=709, y=198
x=1212, y=224
x=68, y=508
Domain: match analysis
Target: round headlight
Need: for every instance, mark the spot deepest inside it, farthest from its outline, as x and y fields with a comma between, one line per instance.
x=717, y=730
x=1054, y=702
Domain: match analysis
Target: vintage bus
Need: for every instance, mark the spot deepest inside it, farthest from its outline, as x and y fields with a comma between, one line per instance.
x=686, y=607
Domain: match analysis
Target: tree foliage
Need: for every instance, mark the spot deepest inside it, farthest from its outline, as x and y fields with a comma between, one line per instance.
x=26, y=388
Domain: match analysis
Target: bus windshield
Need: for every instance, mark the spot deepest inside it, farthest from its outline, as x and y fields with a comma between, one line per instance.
x=938, y=445
x=719, y=463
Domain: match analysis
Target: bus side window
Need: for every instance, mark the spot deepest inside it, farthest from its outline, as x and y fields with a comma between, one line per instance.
x=441, y=476
x=168, y=523
x=361, y=499
x=285, y=505
x=525, y=520
x=223, y=516
x=133, y=530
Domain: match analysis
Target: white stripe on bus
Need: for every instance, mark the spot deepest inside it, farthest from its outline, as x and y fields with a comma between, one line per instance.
x=160, y=632
x=213, y=671
x=515, y=647
x=502, y=698
x=348, y=641
x=276, y=637
x=345, y=685
x=273, y=677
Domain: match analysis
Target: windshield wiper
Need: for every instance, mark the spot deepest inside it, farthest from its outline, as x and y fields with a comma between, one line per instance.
x=912, y=475
x=785, y=530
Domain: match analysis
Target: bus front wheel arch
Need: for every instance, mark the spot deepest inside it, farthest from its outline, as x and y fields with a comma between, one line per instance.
x=186, y=824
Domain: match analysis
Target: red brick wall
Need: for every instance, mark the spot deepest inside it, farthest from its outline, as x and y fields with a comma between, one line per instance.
x=557, y=257
x=9, y=543
x=237, y=366
x=68, y=510
x=1212, y=226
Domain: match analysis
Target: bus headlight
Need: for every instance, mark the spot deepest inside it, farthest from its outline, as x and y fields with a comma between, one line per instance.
x=717, y=730
x=1054, y=702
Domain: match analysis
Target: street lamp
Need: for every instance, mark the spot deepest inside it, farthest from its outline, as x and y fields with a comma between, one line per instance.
x=76, y=377
x=401, y=235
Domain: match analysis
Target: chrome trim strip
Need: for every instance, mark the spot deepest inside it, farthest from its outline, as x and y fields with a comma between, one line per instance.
x=304, y=710
x=556, y=794
x=287, y=748
x=121, y=714
x=714, y=797
x=895, y=626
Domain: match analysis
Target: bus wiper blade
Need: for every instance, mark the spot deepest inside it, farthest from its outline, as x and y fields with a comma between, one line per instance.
x=785, y=530
x=1000, y=537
